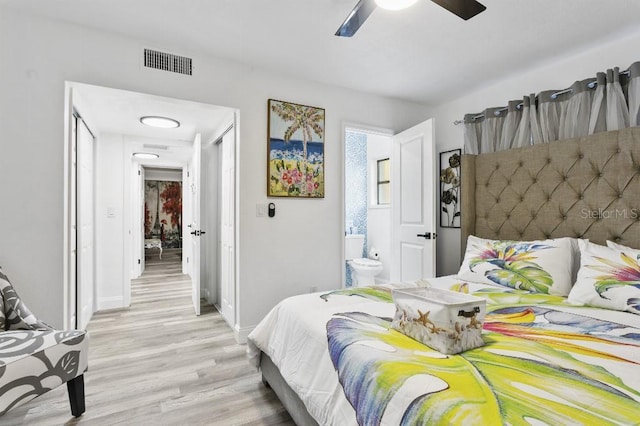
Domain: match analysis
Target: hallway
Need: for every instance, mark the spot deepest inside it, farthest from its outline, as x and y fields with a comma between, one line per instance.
x=157, y=363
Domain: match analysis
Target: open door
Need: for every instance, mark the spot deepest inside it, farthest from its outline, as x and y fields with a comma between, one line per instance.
x=413, y=215
x=227, y=277
x=194, y=184
x=141, y=220
x=85, y=223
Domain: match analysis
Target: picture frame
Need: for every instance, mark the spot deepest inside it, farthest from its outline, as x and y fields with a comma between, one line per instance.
x=450, y=181
x=295, y=150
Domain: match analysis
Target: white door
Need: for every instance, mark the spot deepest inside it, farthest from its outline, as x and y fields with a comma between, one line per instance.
x=227, y=227
x=141, y=220
x=194, y=184
x=73, y=227
x=85, y=213
x=413, y=215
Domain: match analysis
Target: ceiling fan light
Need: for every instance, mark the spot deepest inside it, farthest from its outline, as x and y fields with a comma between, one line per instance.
x=395, y=4
x=162, y=122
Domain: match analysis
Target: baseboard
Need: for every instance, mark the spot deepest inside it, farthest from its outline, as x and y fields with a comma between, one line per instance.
x=241, y=334
x=107, y=303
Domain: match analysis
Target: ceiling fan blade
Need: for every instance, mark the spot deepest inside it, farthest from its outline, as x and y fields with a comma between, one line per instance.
x=465, y=9
x=356, y=18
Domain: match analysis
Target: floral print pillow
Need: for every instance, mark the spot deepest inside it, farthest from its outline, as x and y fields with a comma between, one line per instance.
x=609, y=277
x=536, y=266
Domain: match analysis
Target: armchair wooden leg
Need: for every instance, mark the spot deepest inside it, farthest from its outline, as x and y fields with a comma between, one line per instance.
x=75, y=387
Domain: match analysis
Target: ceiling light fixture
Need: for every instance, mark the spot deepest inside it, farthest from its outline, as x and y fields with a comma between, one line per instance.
x=146, y=155
x=162, y=122
x=395, y=4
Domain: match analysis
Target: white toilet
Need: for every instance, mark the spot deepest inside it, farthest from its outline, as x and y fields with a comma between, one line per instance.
x=363, y=270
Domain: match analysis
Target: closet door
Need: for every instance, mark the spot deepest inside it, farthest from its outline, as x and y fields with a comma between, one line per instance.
x=227, y=227
x=85, y=224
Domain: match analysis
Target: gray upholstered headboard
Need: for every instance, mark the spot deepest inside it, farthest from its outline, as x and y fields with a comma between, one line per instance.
x=587, y=188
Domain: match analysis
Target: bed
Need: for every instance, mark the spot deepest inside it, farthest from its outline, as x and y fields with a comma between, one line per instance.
x=333, y=358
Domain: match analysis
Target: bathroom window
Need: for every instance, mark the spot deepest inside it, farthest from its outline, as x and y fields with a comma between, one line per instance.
x=384, y=185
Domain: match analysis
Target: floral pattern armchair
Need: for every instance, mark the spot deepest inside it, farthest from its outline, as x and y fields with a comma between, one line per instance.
x=35, y=358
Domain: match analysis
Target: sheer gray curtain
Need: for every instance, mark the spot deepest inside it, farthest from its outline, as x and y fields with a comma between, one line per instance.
x=617, y=109
x=598, y=117
x=608, y=101
x=473, y=133
x=523, y=134
x=510, y=125
x=529, y=131
x=492, y=128
x=634, y=94
x=574, y=121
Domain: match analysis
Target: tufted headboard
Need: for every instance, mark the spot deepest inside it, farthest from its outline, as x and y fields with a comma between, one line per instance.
x=587, y=188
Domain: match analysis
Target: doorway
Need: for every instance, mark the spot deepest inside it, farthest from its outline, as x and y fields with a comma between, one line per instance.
x=161, y=214
x=118, y=188
x=389, y=205
x=367, y=200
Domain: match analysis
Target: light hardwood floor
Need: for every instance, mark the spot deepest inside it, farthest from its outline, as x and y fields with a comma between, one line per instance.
x=158, y=364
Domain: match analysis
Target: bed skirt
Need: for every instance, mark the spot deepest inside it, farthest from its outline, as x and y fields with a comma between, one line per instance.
x=272, y=378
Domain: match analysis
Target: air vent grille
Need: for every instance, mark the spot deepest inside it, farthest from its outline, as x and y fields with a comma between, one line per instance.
x=154, y=146
x=167, y=62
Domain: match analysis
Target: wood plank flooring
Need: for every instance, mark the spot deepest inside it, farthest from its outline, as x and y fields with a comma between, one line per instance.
x=156, y=363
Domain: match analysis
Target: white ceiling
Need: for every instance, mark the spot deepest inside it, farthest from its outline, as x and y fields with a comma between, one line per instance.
x=424, y=53
x=117, y=111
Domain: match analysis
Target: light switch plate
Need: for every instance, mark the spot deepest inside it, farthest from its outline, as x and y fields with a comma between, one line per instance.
x=261, y=210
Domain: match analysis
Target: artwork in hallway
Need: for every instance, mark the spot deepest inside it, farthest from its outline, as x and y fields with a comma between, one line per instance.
x=295, y=167
x=450, y=188
x=163, y=212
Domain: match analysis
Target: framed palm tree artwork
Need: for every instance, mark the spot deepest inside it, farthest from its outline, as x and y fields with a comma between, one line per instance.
x=295, y=163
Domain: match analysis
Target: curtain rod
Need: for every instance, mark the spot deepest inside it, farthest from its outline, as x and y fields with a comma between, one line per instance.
x=590, y=85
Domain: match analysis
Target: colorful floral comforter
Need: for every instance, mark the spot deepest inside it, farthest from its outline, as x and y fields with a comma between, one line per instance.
x=544, y=362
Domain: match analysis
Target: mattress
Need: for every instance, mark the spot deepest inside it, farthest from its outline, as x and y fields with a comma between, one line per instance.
x=544, y=361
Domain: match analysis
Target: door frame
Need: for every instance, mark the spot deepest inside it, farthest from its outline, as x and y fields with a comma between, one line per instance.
x=362, y=128
x=230, y=317
x=70, y=198
x=73, y=104
x=89, y=207
x=72, y=96
x=134, y=232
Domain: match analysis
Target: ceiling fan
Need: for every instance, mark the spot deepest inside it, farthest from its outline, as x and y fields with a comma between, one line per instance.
x=465, y=9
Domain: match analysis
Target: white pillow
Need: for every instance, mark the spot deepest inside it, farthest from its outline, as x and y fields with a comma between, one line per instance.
x=575, y=248
x=609, y=277
x=620, y=247
x=537, y=266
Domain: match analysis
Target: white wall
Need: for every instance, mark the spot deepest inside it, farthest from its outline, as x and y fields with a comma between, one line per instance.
x=557, y=75
x=168, y=175
x=279, y=257
x=378, y=217
x=110, y=243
